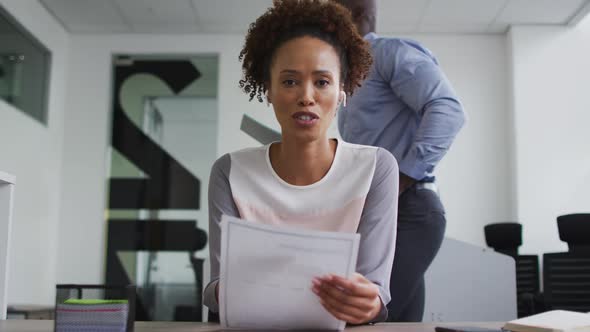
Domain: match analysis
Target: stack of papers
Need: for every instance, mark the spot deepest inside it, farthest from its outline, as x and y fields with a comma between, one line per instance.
x=266, y=274
x=91, y=315
x=551, y=321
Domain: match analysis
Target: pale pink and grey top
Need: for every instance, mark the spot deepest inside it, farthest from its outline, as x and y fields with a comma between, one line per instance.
x=357, y=195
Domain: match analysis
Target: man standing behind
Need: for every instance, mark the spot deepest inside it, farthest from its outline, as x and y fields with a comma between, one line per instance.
x=407, y=106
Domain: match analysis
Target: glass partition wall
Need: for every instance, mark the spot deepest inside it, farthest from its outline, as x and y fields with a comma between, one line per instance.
x=164, y=134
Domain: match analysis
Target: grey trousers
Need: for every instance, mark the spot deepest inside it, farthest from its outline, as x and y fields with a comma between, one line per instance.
x=420, y=230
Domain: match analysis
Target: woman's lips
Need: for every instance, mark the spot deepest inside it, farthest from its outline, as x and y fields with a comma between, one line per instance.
x=305, y=119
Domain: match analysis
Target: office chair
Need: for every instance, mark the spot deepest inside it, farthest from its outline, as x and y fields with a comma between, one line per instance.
x=505, y=238
x=566, y=275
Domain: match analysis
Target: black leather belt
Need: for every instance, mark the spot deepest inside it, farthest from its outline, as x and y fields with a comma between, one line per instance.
x=427, y=185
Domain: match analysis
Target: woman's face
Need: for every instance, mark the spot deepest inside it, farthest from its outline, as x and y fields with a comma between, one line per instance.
x=305, y=88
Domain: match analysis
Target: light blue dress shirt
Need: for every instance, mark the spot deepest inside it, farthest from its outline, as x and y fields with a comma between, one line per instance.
x=406, y=105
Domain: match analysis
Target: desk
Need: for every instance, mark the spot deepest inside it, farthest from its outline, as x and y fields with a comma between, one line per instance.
x=30, y=312
x=47, y=326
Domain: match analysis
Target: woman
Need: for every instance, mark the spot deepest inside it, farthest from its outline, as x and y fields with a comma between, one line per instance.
x=305, y=56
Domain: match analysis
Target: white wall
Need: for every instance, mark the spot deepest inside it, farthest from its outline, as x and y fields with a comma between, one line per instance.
x=552, y=117
x=33, y=152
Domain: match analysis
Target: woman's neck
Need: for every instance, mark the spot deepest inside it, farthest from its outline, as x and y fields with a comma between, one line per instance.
x=302, y=164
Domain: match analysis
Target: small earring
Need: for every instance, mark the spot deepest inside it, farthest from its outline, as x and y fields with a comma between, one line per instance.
x=266, y=97
x=343, y=96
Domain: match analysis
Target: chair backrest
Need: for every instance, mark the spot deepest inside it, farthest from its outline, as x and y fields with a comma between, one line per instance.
x=527, y=273
x=504, y=237
x=527, y=284
x=566, y=281
x=575, y=230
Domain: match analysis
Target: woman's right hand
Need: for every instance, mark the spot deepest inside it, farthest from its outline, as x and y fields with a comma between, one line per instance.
x=355, y=300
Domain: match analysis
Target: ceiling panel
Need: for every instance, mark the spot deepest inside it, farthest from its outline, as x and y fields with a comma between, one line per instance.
x=396, y=29
x=234, y=16
x=159, y=16
x=99, y=28
x=540, y=11
x=213, y=15
x=393, y=14
x=460, y=28
x=165, y=28
x=86, y=12
x=453, y=12
x=224, y=27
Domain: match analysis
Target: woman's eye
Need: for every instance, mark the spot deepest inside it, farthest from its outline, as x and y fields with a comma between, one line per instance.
x=289, y=82
x=323, y=83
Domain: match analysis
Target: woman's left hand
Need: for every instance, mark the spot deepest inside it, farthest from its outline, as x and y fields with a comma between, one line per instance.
x=355, y=300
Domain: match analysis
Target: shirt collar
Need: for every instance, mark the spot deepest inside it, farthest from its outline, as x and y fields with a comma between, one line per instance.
x=370, y=36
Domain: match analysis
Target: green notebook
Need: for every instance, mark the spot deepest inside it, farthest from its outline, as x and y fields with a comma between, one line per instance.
x=93, y=301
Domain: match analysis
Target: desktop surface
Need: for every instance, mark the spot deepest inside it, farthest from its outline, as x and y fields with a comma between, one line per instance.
x=15, y=325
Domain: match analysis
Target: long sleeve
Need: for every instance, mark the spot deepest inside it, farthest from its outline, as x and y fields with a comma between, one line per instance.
x=378, y=226
x=415, y=77
x=220, y=202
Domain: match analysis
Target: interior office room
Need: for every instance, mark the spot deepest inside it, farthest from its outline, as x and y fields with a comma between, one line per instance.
x=520, y=67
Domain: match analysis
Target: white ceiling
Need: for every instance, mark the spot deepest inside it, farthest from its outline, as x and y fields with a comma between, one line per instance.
x=234, y=16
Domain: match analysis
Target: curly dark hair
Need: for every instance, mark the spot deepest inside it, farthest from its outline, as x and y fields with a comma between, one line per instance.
x=290, y=19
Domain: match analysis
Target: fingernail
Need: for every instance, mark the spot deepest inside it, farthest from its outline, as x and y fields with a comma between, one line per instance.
x=316, y=281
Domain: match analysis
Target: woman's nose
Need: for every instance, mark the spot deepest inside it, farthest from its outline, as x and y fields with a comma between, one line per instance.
x=306, y=97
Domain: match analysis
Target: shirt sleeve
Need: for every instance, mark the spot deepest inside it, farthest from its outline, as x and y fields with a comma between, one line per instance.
x=415, y=77
x=220, y=202
x=378, y=227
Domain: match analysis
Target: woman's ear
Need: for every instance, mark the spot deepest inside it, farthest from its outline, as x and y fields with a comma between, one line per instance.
x=343, y=98
x=268, y=102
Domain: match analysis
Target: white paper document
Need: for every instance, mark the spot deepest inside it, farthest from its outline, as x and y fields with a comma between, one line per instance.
x=266, y=274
